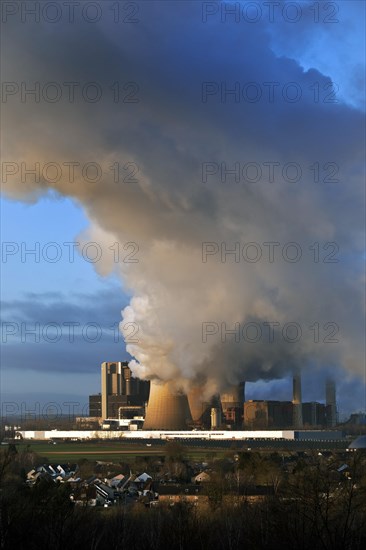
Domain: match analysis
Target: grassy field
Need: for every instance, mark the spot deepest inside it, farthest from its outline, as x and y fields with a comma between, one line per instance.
x=107, y=451
x=117, y=451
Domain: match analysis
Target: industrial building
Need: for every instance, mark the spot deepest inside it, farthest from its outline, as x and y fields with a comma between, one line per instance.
x=95, y=405
x=232, y=402
x=164, y=407
x=262, y=415
x=314, y=414
x=195, y=435
x=122, y=395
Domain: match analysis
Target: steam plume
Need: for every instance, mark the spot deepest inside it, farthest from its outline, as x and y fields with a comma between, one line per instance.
x=169, y=212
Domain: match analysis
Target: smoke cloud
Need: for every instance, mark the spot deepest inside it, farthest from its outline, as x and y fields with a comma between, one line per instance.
x=187, y=295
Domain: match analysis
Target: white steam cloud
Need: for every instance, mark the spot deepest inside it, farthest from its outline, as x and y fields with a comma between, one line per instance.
x=169, y=212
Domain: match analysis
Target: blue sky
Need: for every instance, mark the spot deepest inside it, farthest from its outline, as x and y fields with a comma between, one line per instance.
x=168, y=134
x=27, y=281
x=53, y=219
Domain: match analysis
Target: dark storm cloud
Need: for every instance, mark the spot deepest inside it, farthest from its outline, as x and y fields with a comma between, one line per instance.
x=78, y=306
x=57, y=333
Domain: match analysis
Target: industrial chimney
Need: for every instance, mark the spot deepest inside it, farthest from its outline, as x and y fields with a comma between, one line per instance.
x=330, y=401
x=167, y=409
x=297, y=402
x=242, y=391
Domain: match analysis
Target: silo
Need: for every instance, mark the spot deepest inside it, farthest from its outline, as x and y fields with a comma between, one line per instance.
x=167, y=409
x=215, y=418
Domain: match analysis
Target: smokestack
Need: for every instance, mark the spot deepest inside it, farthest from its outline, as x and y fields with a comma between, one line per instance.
x=242, y=391
x=297, y=402
x=331, y=404
x=166, y=409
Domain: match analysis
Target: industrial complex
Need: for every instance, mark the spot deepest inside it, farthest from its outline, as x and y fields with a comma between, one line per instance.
x=155, y=405
x=128, y=407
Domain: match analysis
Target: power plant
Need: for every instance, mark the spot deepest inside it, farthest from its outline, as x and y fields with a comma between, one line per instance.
x=160, y=405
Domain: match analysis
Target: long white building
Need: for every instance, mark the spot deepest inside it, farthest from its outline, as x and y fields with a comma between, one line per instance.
x=76, y=435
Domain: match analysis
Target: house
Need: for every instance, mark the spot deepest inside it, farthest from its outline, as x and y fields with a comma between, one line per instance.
x=202, y=477
x=116, y=481
x=174, y=493
x=119, y=482
x=104, y=493
x=55, y=472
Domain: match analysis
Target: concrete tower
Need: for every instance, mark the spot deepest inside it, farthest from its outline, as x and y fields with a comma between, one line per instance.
x=297, y=402
x=330, y=401
x=167, y=409
x=200, y=409
x=197, y=406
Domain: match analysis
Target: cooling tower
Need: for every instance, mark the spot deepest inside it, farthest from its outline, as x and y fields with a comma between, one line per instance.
x=196, y=405
x=297, y=402
x=166, y=409
x=330, y=400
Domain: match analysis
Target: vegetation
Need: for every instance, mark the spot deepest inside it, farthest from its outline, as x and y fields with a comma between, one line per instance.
x=308, y=504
